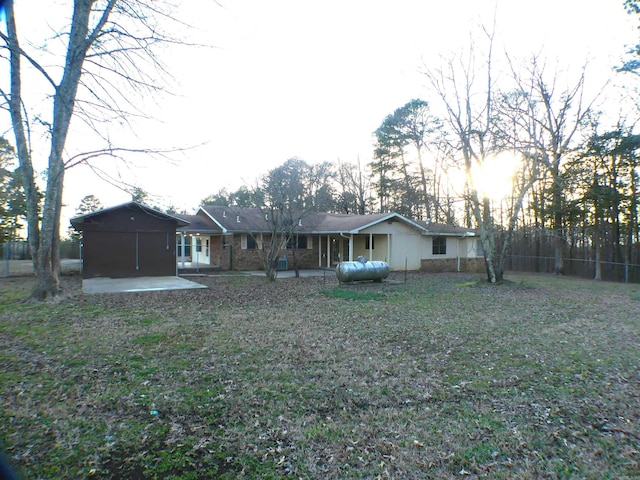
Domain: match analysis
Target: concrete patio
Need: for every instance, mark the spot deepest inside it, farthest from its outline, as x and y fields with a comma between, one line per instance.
x=138, y=284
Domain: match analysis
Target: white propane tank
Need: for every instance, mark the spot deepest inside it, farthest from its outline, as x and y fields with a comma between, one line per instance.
x=362, y=271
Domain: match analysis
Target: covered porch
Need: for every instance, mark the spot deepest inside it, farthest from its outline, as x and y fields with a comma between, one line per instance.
x=346, y=247
x=203, y=250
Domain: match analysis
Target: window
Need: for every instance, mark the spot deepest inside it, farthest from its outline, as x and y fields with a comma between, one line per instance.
x=251, y=243
x=369, y=243
x=187, y=246
x=439, y=245
x=297, y=241
x=479, y=250
x=198, y=244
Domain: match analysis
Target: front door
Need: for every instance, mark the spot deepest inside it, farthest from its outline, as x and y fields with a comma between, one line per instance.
x=202, y=250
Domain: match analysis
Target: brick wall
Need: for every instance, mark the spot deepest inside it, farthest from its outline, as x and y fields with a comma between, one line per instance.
x=244, y=259
x=307, y=257
x=469, y=265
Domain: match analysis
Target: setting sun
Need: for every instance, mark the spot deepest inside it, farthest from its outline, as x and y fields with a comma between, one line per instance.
x=494, y=178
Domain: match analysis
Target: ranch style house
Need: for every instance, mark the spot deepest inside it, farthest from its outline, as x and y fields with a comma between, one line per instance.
x=230, y=238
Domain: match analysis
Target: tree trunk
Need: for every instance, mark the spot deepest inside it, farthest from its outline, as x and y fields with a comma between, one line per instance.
x=270, y=266
x=48, y=256
x=44, y=235
x=487, y=237
x=596, y=244
x=558, y=217
x=295, y=261
x=22, y=147
x=633, y=222
x=425, y=189
x=598, y=264
x=406, y=203
x=494, y=271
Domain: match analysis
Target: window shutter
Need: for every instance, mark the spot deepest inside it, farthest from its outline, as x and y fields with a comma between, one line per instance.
x=243, y=242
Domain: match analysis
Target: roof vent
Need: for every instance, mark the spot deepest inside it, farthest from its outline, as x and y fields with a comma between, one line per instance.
x=266, y=217
x=299, y=222
x=238, y=218
x=224, y=214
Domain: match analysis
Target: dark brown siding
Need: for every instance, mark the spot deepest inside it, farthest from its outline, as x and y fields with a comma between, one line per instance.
x=128, y=254
x=128, y=242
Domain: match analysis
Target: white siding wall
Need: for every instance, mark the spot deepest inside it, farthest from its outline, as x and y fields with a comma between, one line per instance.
x=405, y=246
x=406, y=251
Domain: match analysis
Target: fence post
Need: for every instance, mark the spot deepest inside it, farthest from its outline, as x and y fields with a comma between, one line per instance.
x=6, y=258
x=626, y=271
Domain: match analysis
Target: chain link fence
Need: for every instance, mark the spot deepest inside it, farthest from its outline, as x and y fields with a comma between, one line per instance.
x=15, y=258
x=585, y=268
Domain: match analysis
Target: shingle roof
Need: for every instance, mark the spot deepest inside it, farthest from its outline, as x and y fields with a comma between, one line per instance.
x=331, y=222
x=80, y=219
x=237, y=219
x=444, y=229
x=199, y=223
x=336, y=222
x=241, y=220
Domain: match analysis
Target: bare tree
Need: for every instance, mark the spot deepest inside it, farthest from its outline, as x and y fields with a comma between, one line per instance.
x=107, y=44
x=551, y=116
x=466, y=87
x=287, y=203
x=354, y=194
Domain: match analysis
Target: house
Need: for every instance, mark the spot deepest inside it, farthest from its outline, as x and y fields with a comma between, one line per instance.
x=230, y=238
x=128, y=240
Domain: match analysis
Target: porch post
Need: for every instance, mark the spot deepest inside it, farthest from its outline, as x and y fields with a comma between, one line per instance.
x=371, y=246
x=328, y=251
x=389, y=248
x=182, y=243
x=319, y=250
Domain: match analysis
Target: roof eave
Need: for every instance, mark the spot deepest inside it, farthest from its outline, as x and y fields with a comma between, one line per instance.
x=386, y=218
x=80, y=219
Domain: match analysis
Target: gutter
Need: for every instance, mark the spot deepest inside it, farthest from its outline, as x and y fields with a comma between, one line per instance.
x=464, y=235
x=350, y=238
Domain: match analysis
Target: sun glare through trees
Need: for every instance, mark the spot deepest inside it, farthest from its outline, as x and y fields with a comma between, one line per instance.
x=494, y=178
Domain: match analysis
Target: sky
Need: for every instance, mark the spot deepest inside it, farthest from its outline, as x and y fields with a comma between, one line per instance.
x=314, y=78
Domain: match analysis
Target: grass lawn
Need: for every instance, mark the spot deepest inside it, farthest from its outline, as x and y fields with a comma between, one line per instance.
x=441, y=377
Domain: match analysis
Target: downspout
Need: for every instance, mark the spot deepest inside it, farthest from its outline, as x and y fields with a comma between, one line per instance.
x=350, y=238
x=389, y=248
x=458, y=247
x=137, y=251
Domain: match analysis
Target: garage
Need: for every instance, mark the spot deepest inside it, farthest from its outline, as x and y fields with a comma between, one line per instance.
x=128, y=240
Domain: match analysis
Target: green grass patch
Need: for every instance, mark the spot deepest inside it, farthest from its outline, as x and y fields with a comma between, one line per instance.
x=348, y=293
